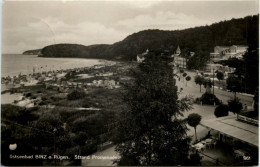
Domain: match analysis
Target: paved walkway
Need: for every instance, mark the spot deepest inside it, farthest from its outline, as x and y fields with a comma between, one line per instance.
x=223, y=95
x=101, y=158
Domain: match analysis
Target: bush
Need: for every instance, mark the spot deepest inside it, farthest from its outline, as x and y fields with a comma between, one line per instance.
x=76, y=94
x=208, y=98
x=221, y=110
x=197, y=100
x=89, y=149
x=44, y=98
x=195, y=160
x=12, y=91
x=28, y=94
x=42, y=103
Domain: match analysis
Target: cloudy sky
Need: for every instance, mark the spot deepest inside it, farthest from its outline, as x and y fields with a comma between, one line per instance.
x=33, y=25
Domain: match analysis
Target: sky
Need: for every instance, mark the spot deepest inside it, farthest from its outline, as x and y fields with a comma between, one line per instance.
x=36, y=24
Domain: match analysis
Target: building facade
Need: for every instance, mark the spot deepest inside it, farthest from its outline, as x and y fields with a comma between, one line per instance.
x=140, y=57
x=226, y=52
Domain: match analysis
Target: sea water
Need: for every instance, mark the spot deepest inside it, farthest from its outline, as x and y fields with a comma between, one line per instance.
x=15, y=64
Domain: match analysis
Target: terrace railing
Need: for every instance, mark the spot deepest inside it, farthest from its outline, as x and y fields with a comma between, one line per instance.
x=247, y=119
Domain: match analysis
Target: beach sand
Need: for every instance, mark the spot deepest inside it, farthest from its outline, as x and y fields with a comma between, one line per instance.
x=8, y=98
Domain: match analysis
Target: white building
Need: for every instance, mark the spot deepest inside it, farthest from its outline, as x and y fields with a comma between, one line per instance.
x=140, y=57
x=226, y=52
x=180, y=61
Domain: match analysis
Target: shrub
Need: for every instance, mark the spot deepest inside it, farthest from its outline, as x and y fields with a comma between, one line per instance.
x=89, y=149
x=80, y=138
x=208, y=98
x=42, y=103
x=76, y=94
x=12, y=91
x=221, y=110
x=197, y=100
x=195, y=159
x=44, y=98
x=28, y=94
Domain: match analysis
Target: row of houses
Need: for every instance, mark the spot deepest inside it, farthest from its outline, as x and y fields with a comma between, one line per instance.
x=226, y=52
x=220, y=53
x=110, y=84
x=178, y=60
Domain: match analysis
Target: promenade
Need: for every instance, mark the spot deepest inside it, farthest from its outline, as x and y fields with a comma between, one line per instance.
x=223, y=95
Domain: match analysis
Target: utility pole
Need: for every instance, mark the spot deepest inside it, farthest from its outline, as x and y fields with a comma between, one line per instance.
x=213, y=80
x=54, y=144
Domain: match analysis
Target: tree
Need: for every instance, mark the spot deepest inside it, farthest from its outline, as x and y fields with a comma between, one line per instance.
x=184, y=75
x=234, y=105
x=181, y=72
x=234, y=63
x=207, y=84
x=199, y=80
x=220, y=76
x=18, y=114
x=221, y=110
x=185, y=53
x=198, y=61
x=48, y=131
x=233, y=84
x=76, y=94
x=209, y=98
x=188, y=78
x=152, y=132
x=194, y=120
x=251, y=58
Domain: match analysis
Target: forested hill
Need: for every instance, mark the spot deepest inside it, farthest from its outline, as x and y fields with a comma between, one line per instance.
x=32, y=52
x=199, y=39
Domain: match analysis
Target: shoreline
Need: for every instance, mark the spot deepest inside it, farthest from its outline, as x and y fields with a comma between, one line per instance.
x=34, y=63
x=9, y=98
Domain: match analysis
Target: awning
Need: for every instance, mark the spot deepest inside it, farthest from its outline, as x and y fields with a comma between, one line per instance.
x=231, y=127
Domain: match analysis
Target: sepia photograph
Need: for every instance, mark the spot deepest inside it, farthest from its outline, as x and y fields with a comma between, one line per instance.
x=130, y=83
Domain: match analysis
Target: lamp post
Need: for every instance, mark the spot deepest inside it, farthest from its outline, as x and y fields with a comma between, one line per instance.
x=213, y=81
x=213, y=85
x=54, y=149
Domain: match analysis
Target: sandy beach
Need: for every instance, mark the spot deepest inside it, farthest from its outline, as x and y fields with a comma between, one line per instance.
x=8, y=98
